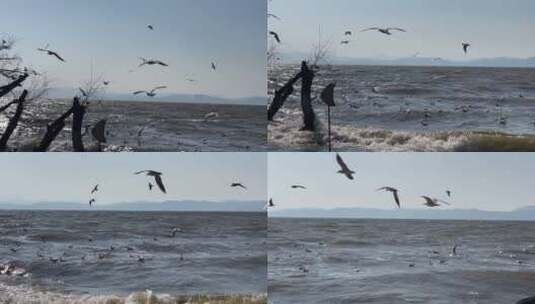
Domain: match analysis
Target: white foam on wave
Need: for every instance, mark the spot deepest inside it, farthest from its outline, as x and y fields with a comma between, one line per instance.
x=284, y=133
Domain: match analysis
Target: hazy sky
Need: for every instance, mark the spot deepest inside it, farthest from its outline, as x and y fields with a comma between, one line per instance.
x=436, y=28
x=188, y=176
x=483, y=181
x=188, y=35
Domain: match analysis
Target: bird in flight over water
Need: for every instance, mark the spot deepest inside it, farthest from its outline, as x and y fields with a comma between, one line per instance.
x=150, y=93
x=386, y=31
x=51, y=53
x=395, y=193
x=151, y=62
x=465, y=47
x=344, y=169
x=236, y=185
x=276, y=36
x=95, y=189
x=157, y=178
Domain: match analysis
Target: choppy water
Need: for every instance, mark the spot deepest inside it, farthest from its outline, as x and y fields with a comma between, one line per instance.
x=215, y=254
x=166, y=126
x=368, y=261
x=411, y=108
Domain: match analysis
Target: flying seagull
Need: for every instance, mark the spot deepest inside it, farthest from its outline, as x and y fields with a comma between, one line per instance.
x=465, y=47
x=394, y=191
x=105, y=82
x=344, y=42
x=95, y=189
x=150, y=186
x=91, y=201
x=150, y=93
x=433, y=202
x=157, y=178
x=234, y=185
x=151, y=62
x=214, y=66
x=344, y=169
x=298, y=187
x=270, y=203
x=150, y=27
x=276, y=36
x=448, y=192
x=385, y=31
x=51, y=53
x=348, y=33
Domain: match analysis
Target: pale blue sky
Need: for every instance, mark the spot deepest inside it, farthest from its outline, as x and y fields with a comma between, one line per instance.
x=436, y=28
x=478, y=180
x=189, y=35
x=70, y=177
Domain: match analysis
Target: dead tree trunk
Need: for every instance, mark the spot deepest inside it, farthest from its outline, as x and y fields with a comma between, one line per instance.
x=9, y=87
x=13, y=122
x=306, y=98
x=52, y=131
x=77, y=121
x=281, y=95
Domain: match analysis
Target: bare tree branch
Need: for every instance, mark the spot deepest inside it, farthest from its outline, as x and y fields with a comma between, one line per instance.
x=13, y=122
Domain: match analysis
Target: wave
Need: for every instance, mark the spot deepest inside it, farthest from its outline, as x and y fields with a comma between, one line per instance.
x=22, y=295
x=348, y=138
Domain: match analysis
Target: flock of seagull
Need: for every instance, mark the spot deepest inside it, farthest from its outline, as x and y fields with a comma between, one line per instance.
x=144, y=62
x=157, y=179
x=344, y=169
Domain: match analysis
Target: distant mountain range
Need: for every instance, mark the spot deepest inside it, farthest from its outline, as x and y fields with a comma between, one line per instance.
x=62, y=93
x=185, y=206
x=521, y=214
x=420, y=61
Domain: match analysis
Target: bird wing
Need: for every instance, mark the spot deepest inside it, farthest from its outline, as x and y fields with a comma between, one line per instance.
x=274, y=16
x=396, y=29
x=161, y=63
x=341, y=163
x=141, y=172
x=159, y=182
x=396, y=197
x=57, y=56
x=159, y=88
x=428, y=200
x=275, y=35
x=370, y=29
x=139, y=92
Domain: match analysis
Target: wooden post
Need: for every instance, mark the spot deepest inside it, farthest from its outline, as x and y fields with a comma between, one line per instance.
x=306, y=98
x=327, y=96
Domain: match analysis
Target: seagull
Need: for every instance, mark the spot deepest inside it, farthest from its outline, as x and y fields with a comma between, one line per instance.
x=345, y=42
x=385, y=31
x=105, y=82
x=433, y=202
x=270, y=203
x=394, y=192
x=448, y=192
x=150, y=186
x=151, y=62
x=91, y=201
x=150, y=27
x=214, y=66
x=150, y=93
x=211, y=115
x=234, y=185
x=298, y=187
x=465, y=47
x=344, y=168
x=275, y=35
x=348, y=33
x=157, y=178
x=51, y=53
x=95, y=189
x=175, y=231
